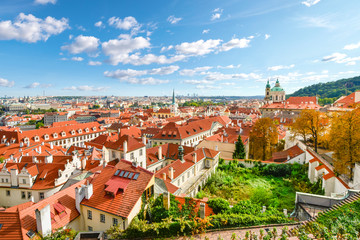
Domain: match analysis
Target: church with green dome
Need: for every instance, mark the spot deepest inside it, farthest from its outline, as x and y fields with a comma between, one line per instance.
x=275, y=94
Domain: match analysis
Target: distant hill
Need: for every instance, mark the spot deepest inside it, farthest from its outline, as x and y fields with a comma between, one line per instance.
x=330, y=90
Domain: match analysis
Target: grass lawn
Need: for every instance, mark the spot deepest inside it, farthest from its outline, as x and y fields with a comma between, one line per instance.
x=237, y=183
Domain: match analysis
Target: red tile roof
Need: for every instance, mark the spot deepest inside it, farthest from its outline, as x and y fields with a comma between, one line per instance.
x=132, y=144
x=122, y=203
x=295, y=103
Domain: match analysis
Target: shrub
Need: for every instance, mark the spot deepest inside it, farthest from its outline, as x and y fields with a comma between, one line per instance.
x=219, y=205
x=261, y=196
x=278, y=170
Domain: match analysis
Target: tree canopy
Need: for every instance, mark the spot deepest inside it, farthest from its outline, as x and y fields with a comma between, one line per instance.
x=239, y=152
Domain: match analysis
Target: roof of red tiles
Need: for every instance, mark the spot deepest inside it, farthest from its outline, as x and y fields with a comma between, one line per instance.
x=123, y=202
x=132, y=144
x=297, y=103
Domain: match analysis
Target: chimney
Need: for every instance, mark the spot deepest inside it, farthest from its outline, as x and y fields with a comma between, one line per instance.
x=125, y=147
x=83, y=163
x=51, y=145
x=49, y=159
x=39, y=149
x=43, y=220
x=28, y=144
x=195, y=158
x=216, y=148
x=222, y=138
x=79, y=196
x=21, y=144
x=171, y=173
x=88, y=190
x=13, y=177
x=164, y=176
x=160, y=153
x=144, y=139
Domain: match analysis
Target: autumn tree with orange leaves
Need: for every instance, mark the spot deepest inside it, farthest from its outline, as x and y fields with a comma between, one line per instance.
x=345, y=141
x=263, y=139
x=310, y=123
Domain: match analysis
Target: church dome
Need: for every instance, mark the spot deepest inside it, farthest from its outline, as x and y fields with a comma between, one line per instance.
x=277, y=89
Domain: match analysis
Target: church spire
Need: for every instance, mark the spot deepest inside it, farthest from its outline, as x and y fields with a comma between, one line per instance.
x=173, y=98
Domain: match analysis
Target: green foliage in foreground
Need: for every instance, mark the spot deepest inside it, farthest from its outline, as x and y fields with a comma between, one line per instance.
x=342, y=223
x=273, y=185
x=61, y=234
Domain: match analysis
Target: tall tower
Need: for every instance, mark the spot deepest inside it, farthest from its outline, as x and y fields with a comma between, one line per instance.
x=267, y=92
x=174, y=106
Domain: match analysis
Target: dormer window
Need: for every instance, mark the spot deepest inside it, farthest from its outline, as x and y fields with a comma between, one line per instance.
x=55, y=135
x=72, y=132
x=101, y=127
x=46, y=137
x=26, y=140
x=36, y=138
x=94, y=128
x=80, y=131
x=86, y=129
x=63, y=134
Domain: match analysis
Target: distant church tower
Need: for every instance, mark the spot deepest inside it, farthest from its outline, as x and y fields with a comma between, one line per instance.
x=174, y=106
x=275, y=94
x=267, y=92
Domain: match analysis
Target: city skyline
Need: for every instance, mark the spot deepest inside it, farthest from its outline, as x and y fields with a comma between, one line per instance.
x=142, y=48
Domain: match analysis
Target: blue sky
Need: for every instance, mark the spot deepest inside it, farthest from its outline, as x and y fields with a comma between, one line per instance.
x=136, y=48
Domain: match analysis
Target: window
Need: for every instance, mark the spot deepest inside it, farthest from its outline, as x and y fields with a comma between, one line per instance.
x=41, y=195
x=7, y=180
x=29, y=195
x=90, y=229
x=141, y=152
x=188, y=174
x=24, y=181
x=89, y=213
x=23, y=195
x=2, y=180
x=115, y=222
x=7, y=192
x=113, y=154
x=102, y=218
x=131, y=155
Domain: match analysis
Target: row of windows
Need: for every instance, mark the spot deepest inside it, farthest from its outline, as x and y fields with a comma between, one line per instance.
x=24, y=194
x=6, y=180
x=102, y=218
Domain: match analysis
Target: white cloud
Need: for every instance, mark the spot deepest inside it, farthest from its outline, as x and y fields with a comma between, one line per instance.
x=146, y=81
x=192, y=72
x=125, y=24
x=99, y=24
x=310, y=3
x=267, y=36
x=205, y=31
x=86, y=88
x=229, y=66
x=216, y=14
x=131, y=73
x=352, y=46
x=235, y=43
x=198, y=48
x=45, y=1
x=87, y=44
x=217, y=76
x=33, y=85
x=118, y=50
x=319, y=22
x=280, y=67
x=335, y=57
x=28, y=28
x=164, y=49
x=6, y=83
x=195, y=82
x=207, y=87
x=94, y=63
x=173, y=20
x=77, y=59
x=351, y=63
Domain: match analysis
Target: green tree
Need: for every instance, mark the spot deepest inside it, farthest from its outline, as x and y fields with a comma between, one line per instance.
x=239, y=152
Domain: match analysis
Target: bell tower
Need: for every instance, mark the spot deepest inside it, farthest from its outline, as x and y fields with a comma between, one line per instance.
x=267, y=92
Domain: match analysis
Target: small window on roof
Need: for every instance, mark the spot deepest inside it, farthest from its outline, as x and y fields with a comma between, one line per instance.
x=126, y=174
x=130, y=175
x=122, y=173
x=117, y=172
x=136, y=176
x=188, y=132
x=30, y=234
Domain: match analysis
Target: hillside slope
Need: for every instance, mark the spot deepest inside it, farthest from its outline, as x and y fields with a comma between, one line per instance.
x=333, y=89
